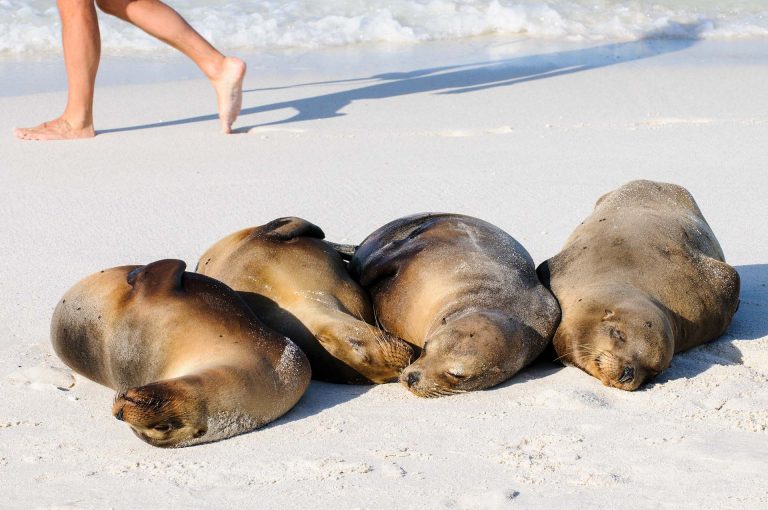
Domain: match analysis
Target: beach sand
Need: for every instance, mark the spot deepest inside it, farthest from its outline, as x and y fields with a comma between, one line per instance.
x=526, y=137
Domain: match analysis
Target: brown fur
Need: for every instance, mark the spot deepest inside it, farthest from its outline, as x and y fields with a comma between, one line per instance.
x=461, y=289
x=189, y=360
x=641, y=278
x=298, y=285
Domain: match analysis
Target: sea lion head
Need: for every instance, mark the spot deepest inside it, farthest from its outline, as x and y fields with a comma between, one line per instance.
x=164, y=414
x=469, y=352
x=623, y=341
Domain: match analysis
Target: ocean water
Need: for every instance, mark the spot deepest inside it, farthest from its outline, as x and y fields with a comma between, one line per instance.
x=31, y=27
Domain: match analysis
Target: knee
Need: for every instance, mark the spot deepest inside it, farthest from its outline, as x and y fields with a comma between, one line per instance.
x=73, y=5
x=113, y=7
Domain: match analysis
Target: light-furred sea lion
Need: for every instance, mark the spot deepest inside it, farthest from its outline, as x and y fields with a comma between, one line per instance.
x=190, y=361
x=640, y=279
x=298, y=285
x=461, y=289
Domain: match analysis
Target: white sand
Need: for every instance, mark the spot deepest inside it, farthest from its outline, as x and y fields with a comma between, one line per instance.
x=531, y=156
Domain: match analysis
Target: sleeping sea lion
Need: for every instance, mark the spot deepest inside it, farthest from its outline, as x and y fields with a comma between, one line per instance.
x=643, y=277
x=462, y=290
x=298, y=285
x=189, y=360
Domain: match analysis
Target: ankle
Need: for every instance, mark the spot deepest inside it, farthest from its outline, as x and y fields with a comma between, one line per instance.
x=214, y=68
x=77, y=122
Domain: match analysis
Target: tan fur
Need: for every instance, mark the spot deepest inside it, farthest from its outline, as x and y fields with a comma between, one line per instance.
x=464, y=291
x=641, y=278
x=298, y=285
x=189, y=360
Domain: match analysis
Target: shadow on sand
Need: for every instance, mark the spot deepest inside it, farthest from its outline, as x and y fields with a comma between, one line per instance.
x=321, y=396
x=459, y=79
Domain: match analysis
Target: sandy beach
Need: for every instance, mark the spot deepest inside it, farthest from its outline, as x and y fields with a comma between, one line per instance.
x=524, y=135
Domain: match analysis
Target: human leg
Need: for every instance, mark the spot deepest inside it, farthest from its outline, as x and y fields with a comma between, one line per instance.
x=161, y=21
x=82, y=49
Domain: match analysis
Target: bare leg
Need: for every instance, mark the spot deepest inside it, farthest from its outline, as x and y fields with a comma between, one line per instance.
x=82, y=48
x=159, y=20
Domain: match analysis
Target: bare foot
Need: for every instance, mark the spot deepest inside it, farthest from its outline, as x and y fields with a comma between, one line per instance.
x=229, y=90
x=57, y=129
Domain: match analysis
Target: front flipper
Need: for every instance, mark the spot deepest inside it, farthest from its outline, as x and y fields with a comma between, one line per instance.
x=291, y=227
x=385, y=262
x=161, y=276
x=374, y=353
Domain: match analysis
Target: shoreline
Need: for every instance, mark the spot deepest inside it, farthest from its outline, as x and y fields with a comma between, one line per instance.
x=36, y=75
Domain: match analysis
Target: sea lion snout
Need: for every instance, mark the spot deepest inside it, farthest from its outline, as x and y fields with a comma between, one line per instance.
x=627, y=374
x=119, y=413
x=412, y=378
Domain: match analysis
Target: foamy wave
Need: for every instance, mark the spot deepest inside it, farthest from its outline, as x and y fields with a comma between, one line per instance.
x=32, y=26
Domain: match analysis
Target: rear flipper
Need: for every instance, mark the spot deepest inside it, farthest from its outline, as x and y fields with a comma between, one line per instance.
x=347, y=251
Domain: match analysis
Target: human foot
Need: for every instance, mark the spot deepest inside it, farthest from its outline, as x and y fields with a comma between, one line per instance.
x=57, y=129
x=229, y=91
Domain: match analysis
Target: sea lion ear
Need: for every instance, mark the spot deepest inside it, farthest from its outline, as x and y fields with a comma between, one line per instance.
x=289, y=228
x=158, y=276
x=608, y=315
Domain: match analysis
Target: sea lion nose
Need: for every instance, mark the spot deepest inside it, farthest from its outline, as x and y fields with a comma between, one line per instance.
x=627, y=374
x=413, y=378
x=119, y=414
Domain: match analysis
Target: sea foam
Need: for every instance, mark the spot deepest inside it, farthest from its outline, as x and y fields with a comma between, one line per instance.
x=32, y=27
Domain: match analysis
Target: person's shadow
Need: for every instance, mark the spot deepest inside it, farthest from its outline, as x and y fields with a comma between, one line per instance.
x=459, y=79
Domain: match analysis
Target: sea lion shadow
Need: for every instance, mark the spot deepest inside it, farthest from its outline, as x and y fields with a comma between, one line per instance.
x=541, y=367
x=319, y=397
x=749, y=323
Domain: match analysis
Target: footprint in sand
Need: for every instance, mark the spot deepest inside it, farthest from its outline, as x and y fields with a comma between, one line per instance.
x=392, y=470
x=490, y=500
x=42, y=377
x=567, y=399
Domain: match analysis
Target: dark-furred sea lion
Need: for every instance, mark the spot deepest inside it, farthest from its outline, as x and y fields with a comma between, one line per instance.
x=461, y=289
x=643, y=277
x=189, y=360
x=298, y=285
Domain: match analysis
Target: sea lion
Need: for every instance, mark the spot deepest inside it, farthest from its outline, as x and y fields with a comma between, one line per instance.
x=298, y=285
x=462, y=290
x=189, y=360
x=643, y=277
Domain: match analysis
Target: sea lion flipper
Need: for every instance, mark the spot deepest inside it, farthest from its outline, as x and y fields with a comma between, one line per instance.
x=543, y=273
x=346, y=251
x=292, y=227
x=727, y=282
x=163, y=275
x=375, y=354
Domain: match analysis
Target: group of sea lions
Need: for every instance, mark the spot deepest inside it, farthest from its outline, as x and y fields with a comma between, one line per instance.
x=445, y=303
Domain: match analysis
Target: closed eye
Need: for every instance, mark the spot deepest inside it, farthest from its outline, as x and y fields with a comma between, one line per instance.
x=456, y=375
